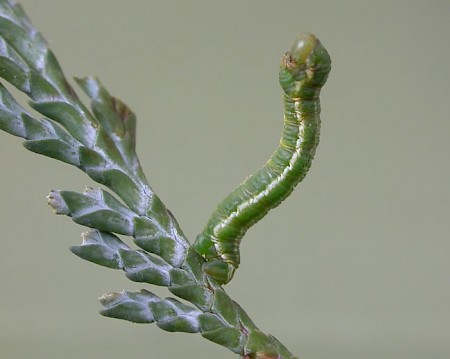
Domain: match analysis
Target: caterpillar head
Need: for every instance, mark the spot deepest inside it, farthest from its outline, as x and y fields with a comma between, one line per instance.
x=304, y=68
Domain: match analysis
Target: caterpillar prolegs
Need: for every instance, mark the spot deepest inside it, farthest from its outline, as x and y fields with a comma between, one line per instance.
x=303, y=71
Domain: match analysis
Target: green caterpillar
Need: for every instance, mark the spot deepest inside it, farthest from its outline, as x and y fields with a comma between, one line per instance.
x=303, y=71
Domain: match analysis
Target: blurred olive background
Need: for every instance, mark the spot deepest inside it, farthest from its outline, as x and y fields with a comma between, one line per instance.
x=355, y=264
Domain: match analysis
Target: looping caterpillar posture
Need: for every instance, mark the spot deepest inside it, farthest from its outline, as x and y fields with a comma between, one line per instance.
x=303, y=71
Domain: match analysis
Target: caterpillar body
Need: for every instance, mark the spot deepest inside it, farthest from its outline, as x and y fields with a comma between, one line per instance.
x=303, y=71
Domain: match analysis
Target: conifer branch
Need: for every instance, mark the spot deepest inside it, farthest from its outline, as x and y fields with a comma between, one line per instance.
x=102, y=143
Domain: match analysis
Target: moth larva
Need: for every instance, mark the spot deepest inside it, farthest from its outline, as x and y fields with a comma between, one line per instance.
x=303, y=71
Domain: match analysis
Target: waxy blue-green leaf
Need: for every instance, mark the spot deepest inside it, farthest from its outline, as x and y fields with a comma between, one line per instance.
x=215, y=329
x=199, y=295
x=141, y=267
x=145, y=307
x=173, y=316
x=134, y=307
x=94, y=208
x=43, y=136
x=116, y=117
x=101, y=248
x=159, y=238
x=224, y=306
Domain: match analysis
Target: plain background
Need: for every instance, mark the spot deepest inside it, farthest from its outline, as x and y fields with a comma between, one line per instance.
x=355, y=264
